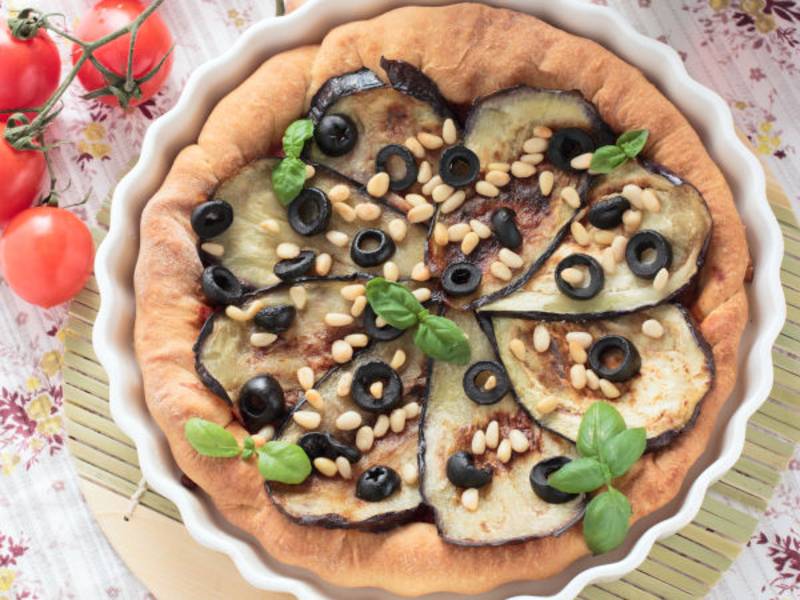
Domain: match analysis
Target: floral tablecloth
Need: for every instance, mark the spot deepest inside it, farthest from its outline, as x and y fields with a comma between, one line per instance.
x=51, y=547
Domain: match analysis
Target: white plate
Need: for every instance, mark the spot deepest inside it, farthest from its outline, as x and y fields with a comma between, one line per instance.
x=113, y=332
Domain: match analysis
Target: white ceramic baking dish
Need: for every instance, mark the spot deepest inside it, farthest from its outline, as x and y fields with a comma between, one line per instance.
x=113, y=332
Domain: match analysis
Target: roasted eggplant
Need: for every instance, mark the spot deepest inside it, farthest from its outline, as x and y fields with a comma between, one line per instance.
x=508, y=509
x=333, y=501
x=683, y=221
x=674, y=374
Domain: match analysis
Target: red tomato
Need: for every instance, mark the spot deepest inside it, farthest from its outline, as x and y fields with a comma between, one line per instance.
x=21, y=176
x=153, y=41
x=46, y=255
x=29, y=70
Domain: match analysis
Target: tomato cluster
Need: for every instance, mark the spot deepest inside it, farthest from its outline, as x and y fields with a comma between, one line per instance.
x=46, y=253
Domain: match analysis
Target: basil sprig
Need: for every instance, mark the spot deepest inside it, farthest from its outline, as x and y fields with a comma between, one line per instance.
x=290, y=174
x=277, y=461
x=608, y=158
x=607, y=449
x=437, y=337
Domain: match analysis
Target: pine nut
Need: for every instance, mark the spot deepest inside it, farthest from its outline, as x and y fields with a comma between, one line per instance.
x=323, y=263
x=398, y=229
x=652, y=328
x=348, y=421
x=535, y=145
x=416, y=148
x=440, y=236
x=236, y=314
x=429, y=140
x=380, y=323
x=492, y=435
x=418, y=214
x=498, y=178
x=305, y=376
x=661, y=279
x=287, y=250
x=607, y=261
x=542, y=131
x=457, y=232
x=359, y=304
x=532, y=159
x=572, y=275
x=633, y=194
x=609, y=389
x=416, y=200
x=262, y=339
x=499, y=166
x=364, y=438
x=484, y=188
x=420, y=272
x=577, y=376
x=339, y=193
x=425, y=172
x=412, y=410
x=500, y=270
x=376, y=389
x=337, y=238
x=453, y=202
x=650, y=201
x=579, y=233
x=343, y=465
x=449, y=133
x=266, y=433
x=481, y=229
x=397, y=420
x=299, y=297
x=367, y=211
x=592, y=380
x=338, y=319
x=504, y=451
x=432, y=183
x=584, y=338
x=582, y=161
x=570, y=195
x=604, y=238
x=270, y=226
x=546, y=180
x=479, y=443
x=378, y=185
x=491, y=383
x=422, y=294
x=325, y=466
x=310, y=171
x=341, y=351
x=353, y=291
x=519, y=443
x=618, y=247
x=213, y=249
x=522, y=170
x=470, y=242
x=314, y=398
x=381, y=426
x=631, y=219
x=391, y=271
x=577, y=353
x=541, y=338
x=409, y=473
x=343, y=385
x=442, y=192
x=510, y=258
x=517, y=347
x=307, y=419
x=357, y=340
x=547, y=405
x=470, y=499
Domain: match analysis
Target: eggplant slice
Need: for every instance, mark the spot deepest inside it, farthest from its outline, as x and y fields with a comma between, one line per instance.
x=250, y=251
x=332, y=501
x=497, y=128
x=677, y=371
x=508, y=509
x=684, y=220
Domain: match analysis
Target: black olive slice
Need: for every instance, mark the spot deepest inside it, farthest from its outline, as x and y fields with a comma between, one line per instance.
x=387, y=333
x=336, y=135
x=461, y=278
x=365, y=256
x=351, y=453
x=566, y=144
x=607, y=214
x=505, y=228
x=462, y=472
x=596, y=277
x=310, y=213
x=641, y=242
x=629, y=366
x=290, y=269
x=459, y=166
x=477, y=393
x=539, y=476
x=367, y=374
x=260, y=402
x=325, y=444
x=211, y=218
x=275, y=319
x=377, y=483
x=404, y=154
x=220, y=285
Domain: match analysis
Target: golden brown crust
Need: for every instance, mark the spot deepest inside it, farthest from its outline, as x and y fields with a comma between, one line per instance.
x=246, y=124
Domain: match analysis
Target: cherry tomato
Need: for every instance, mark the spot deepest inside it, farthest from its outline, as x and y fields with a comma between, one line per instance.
x=153, y=41
x=29, y=70
x=20, y=178
x=46, y=255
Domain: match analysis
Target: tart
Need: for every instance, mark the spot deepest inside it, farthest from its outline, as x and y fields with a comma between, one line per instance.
x=451, y=153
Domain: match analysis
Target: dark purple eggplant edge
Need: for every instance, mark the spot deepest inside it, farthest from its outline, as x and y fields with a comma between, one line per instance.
x=410, y=80
x=340, y=86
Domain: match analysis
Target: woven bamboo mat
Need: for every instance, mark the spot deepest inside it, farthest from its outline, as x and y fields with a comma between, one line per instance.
x=685, y=565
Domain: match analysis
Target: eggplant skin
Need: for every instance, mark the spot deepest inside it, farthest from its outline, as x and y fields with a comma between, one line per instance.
x=338, y=87
x=408, y=79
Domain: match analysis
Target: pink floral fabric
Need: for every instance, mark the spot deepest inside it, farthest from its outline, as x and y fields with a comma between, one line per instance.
x=50, y=546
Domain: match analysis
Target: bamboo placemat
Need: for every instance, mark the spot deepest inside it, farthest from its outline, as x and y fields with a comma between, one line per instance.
x=684, y=565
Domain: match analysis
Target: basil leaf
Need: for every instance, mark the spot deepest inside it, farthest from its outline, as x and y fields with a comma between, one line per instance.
x=283, y=462
x=600, y=423
x=606, y=521
x=441, y=339
x=295, y=137
x=247, y=453
x=632, y=142
x=606, y=159
x=578, y=476
x=288, y=179
x=210, y=439
x=624, y=449
x=393, y=302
